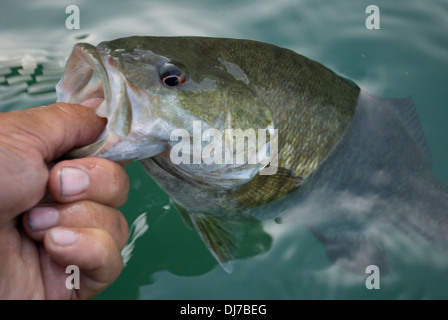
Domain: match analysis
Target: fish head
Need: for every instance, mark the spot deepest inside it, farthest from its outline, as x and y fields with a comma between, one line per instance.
x=155, y=86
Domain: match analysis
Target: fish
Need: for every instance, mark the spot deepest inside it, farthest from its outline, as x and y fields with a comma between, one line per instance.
x=328, y=154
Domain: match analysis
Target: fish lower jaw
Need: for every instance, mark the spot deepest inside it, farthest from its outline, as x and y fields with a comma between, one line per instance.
x=129, y=148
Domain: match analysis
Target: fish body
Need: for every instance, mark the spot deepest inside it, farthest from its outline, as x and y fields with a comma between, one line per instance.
x=338, y=157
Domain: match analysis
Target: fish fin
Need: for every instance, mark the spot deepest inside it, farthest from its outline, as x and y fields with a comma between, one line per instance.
x=183, y=214
x=353, y=250
x=221, y=236
x=406, y=111
x=426, y=214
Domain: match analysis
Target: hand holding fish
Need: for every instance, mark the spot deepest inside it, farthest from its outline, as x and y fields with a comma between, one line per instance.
x=81, y=226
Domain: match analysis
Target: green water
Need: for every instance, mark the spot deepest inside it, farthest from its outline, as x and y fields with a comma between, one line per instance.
x=408, y=55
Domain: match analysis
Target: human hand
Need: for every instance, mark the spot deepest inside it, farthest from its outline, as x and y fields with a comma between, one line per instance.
x=82, y=227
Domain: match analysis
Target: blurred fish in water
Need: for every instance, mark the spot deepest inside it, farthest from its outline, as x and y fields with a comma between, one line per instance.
x=346, y=162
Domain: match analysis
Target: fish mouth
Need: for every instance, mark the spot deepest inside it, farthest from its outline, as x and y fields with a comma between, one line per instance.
x=131, y=132
x=91, y=73
x=85, y=77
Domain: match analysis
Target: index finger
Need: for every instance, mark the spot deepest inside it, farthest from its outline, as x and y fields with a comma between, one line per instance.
x=55, y=129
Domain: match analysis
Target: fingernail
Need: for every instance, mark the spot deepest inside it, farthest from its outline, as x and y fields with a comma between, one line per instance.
x=73, y=181
x=63, y=237
x=42, y=218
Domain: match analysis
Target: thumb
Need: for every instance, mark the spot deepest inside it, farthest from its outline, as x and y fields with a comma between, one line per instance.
x=55, y=129
x=29, y=140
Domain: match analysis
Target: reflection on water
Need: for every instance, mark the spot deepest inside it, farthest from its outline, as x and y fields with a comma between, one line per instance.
x=169, y=260
x=136, y=230
x=28, y=78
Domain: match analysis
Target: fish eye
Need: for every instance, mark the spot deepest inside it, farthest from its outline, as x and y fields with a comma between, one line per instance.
x=171, y=75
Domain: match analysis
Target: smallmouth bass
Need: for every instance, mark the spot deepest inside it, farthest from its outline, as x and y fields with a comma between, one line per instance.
x=343, y=158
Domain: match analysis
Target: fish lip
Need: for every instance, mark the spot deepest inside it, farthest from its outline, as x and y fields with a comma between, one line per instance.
x=92, y=72
x=85, y=76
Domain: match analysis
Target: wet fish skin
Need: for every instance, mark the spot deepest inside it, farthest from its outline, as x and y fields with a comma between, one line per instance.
x=231, y=84
x=333, y=142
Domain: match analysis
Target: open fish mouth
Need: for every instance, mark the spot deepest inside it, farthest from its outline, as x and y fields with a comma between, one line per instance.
x=92, y=73
x=85, y=77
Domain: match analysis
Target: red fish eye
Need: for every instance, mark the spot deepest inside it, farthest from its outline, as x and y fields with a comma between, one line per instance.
x=173, y=80
x=171, y=75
